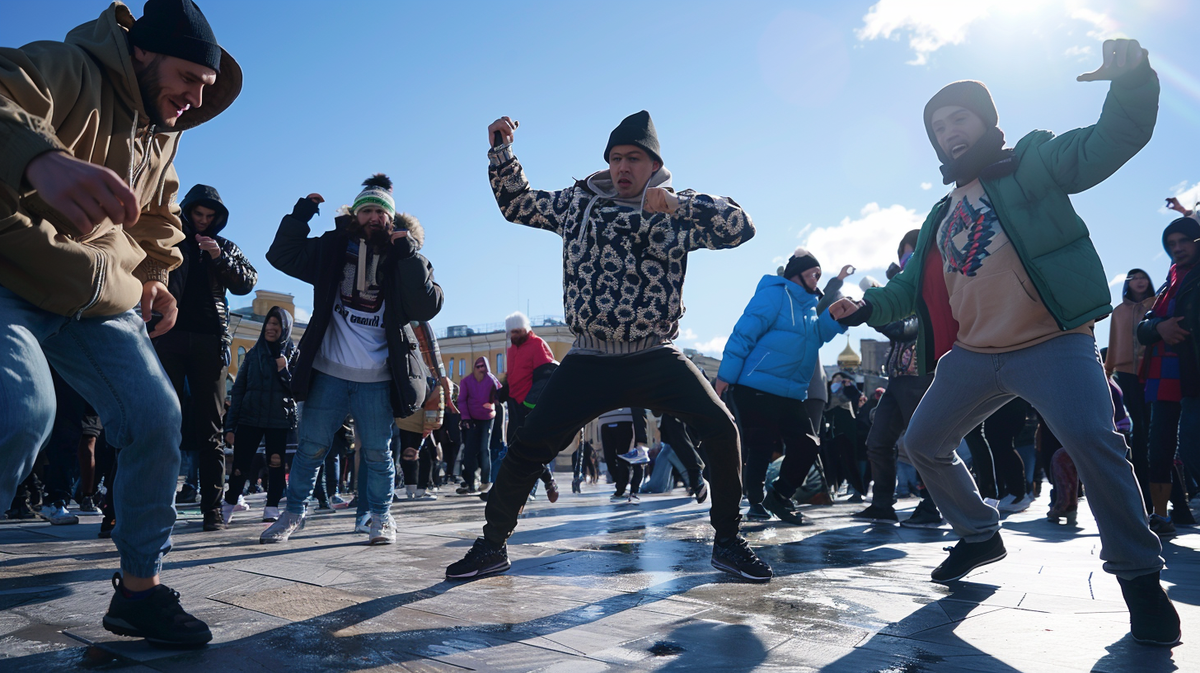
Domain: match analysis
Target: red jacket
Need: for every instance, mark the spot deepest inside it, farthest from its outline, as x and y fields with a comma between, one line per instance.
x=522, y=360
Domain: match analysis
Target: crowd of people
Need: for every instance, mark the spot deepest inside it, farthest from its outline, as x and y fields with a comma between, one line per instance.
x=990, y=311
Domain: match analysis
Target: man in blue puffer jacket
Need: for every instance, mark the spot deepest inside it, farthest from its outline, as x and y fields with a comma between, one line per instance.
x=769, y=360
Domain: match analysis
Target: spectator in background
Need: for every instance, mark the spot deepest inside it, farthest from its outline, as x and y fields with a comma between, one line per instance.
x=477, y=400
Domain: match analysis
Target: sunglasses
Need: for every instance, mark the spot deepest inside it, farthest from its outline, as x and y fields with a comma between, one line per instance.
x=480, y=367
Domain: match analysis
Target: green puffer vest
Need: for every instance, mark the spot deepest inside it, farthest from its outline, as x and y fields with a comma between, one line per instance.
x=1034, y=209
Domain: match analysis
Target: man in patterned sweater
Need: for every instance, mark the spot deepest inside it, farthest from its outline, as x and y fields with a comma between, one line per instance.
x=626, y=235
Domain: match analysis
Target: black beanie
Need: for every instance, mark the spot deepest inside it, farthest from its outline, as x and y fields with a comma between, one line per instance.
x=802, y=260
x=636, y=129
x=1184, y=225
x=177, y=28
x=966, y=93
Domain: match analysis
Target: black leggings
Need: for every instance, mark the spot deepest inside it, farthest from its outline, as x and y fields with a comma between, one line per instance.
x=999, y=470
x=245, y=445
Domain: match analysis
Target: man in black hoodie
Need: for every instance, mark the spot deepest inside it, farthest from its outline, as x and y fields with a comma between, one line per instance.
x=196, y=352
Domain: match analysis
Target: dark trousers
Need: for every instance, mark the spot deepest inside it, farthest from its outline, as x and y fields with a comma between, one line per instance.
x=245, y=447
x=892, y=414
x=517, y=412
x=477, y=452
x=195, y=365
x=585, y=386
x=1001, y=430
x=675, y=433
x=617, y=438
x=767, y=421
x=1134, y=395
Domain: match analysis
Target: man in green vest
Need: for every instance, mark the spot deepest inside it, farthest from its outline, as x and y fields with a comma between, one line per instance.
x=1008, y=285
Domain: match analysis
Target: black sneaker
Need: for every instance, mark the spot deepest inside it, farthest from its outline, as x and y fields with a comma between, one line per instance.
x=87, y=505
x=159, y=618
x=737, y=558
x=187, y=496
x=757, y=512
x=700, y=493
x=967, y=556
x=106, y=528
x=925, y=515
x=877, y=514
x=781, y=507
x=483, y=559
x=1152, y=618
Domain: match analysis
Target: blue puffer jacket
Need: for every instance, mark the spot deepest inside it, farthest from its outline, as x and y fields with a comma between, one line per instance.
x=774, y=344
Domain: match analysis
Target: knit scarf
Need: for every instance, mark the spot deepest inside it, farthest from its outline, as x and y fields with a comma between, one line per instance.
x=1161, y=370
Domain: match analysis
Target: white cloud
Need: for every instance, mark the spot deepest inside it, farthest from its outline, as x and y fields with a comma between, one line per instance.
x=927, y=186
x=714, y=347
x=868, y=242
x=1081, y=53
x=1188, y=195
x=1102, y=26
x=1118, y=279
x=932, y=24
x=303, y=315
x=688, y=335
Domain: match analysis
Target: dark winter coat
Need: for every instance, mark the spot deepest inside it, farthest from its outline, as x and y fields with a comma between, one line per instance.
x=230, y=272
x=262, y=393
x=409, y=293
x=1187, y=305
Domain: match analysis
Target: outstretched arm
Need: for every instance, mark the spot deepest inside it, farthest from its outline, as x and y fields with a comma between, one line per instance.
x=1082, y=158
x=518, y=202
x=292, y=251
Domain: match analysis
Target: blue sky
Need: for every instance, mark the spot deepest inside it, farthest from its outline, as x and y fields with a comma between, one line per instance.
x=807, y=113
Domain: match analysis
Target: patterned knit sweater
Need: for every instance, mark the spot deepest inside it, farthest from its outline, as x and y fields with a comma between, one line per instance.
x=623, y=269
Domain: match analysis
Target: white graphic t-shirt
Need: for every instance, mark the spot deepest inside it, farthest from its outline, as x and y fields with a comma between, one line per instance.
x=355, y=345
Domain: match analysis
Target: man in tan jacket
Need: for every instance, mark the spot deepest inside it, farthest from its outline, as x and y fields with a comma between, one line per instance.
x=88, y=220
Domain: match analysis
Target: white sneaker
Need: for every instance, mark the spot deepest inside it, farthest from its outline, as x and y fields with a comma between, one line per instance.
x=410, y=491
x=227, y=509
x=423, y=494
x=57, y=515
x=992, y=502
x=270, y=514
x=282, y=529
x=338, y=502
x=638, y=455
x=383, y=531
x=1010, y=503
x=363, y=524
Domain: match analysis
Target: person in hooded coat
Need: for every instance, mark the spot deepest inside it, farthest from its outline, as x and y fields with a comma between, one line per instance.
x=477, y=402
x=195, y=354
x=261, y=407
x=768, y=364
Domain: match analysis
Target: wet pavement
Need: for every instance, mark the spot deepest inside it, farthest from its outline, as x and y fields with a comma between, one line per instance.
x=594, y=586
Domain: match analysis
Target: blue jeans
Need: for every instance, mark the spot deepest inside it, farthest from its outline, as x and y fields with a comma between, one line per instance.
x=478, y=454
x=111, y=364
x=330, y=399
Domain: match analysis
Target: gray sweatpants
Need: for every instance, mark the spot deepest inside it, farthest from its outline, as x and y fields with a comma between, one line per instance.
x=1064, y=380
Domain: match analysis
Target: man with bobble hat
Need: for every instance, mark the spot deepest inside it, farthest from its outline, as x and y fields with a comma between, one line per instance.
x=359, y=354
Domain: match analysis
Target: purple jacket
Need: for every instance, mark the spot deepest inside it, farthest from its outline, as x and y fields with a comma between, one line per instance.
x=477, y=399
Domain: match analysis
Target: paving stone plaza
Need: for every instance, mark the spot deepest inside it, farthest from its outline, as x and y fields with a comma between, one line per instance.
x=594, y=586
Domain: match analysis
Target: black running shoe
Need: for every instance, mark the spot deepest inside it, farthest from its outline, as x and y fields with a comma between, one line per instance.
x=877, y=514
x=483, y=559
x=1152, y=618
x=159, y=618
x=701, y=492
x=737, y=558
x=106, y=528
x=781, y=507
x=967, y=556
x=925, y=515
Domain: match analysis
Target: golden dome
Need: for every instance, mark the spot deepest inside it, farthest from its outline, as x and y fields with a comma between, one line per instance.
x=848, y=359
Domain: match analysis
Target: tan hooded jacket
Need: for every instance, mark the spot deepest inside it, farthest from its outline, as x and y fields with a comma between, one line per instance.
x=81, y=96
